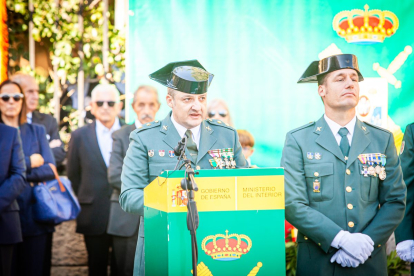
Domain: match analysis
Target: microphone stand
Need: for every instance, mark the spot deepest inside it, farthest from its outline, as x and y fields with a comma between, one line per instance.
x=188, y=183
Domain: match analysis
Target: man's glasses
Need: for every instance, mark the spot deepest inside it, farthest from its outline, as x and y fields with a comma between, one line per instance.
x=101, y=103
x=15, y=97
x=222, y=113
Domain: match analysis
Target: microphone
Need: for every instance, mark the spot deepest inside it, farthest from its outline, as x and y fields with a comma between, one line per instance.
x=180, y=147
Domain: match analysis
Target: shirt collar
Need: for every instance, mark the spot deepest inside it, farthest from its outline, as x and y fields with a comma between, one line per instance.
x=181, y=129
x=335, y=126
x=103, y=129
x=138, y=123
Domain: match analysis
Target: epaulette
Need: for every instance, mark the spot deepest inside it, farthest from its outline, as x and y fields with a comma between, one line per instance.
x=148, y=126
x=377, y=127
x=218, y=123
x=302, y=127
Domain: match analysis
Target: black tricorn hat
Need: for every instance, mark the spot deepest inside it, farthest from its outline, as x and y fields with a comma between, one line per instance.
x=330, y=64
x=187, y=76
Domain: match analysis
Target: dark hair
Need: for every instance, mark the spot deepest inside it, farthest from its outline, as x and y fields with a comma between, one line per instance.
x=23, y=111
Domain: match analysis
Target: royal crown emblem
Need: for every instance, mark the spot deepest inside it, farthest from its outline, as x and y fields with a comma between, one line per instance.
x=365, y=26
x=226, y=247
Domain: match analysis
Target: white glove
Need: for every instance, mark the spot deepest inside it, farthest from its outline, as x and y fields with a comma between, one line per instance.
x=344, y=259
x=405, y=250
x=357, y=245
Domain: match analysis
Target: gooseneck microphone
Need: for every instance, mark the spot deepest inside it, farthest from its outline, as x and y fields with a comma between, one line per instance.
x=180, y=147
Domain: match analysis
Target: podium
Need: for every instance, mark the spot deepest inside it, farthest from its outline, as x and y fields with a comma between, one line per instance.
x=241, y=231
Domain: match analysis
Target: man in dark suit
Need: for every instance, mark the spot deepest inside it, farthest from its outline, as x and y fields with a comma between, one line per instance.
x=31, y=92
x=12, y=183
x=123, y=226
x=88, y=158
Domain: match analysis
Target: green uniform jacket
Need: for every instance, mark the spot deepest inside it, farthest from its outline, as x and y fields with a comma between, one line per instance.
x=140, y=169
x=347, y=199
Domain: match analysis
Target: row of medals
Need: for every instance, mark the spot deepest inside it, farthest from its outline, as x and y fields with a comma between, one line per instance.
x=373, y=164
x=222, y=158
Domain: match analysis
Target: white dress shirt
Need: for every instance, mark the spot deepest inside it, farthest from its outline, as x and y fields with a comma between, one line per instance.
x=181, y=131
x=104, y=136
x=137, y=123
x=29, y=117
x=335, y=127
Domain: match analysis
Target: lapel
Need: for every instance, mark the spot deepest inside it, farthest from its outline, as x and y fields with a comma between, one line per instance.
x=360, y=141
x=92, y=144
x=326, y=139
x=26, y=140
x=36, y=118
x=207, y=140
x=171, y=136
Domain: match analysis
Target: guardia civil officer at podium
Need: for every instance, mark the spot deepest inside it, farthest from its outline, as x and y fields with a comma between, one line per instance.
x=343, y=180
x=151, y=148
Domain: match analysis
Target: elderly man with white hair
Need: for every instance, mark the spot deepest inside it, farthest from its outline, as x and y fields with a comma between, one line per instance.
x=88, y=160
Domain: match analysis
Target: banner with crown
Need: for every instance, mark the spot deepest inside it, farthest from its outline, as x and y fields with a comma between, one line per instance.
x=241, y=223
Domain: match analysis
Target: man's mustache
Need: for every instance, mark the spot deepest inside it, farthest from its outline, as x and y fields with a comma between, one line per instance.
x=145, y=116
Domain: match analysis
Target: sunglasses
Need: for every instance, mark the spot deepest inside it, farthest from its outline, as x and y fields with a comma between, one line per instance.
x=222, y=113
x=15, y=97
x=101, y=103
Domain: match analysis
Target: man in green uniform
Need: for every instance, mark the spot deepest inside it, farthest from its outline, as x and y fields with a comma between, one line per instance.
x=210, y=143
x=343, y=181
x=404, y=234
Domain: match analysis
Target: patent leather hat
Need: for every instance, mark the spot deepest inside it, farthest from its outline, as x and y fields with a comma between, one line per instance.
x=330, y=64
x=187, y=76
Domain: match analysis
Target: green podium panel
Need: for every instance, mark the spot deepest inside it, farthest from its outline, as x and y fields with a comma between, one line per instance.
x=241, y=230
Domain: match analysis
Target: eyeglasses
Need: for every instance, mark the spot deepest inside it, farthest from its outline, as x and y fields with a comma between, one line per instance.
x=101, y=103
x=222, y=113
x=15, y=97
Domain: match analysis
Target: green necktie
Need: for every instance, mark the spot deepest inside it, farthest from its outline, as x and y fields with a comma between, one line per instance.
x=191, y=145
x=344, y=145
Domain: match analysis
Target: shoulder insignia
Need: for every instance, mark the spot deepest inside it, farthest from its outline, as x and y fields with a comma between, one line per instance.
x=374, y=126
x=303, y=127
x=219, y=123
x=148, y=126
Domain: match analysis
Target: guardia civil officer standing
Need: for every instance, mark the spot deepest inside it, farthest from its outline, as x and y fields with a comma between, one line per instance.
x=151, y=148
x=343, y=180
x=404, y=234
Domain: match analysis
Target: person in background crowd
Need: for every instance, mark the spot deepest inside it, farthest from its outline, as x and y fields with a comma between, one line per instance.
x=12, y=183
x=88, y=159
x=247, y=142
x=31, y=255
x=217, y=109
x=343, y=181
x=122, y=225
x=31, y=91
x=404, y=234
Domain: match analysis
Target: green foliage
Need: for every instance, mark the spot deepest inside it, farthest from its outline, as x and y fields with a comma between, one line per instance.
x=396, y=266
x=291, y=253
x=57, y=27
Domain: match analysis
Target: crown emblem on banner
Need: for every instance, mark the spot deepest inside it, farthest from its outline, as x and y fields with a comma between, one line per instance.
x=365, y=26
x=226, y=247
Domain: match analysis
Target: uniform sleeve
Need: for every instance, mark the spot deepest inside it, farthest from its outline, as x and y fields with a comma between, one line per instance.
x=44, y=172
x=135, y=176
x=392, y=192
x=11, y=187
x=405, y=230
x=241, y=161
x=115, y=162
x=306, y=219
x=58, y=152
x=73, y=162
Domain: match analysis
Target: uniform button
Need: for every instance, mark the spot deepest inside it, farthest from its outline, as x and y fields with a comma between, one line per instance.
x=219, y=122
x=316, y=174
x=198, y=168
x=379, y=245
x=348, y=189
x=319, y=244
x=350, y=207
x=306, y=238
x=351, y=224
x=348, y=172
